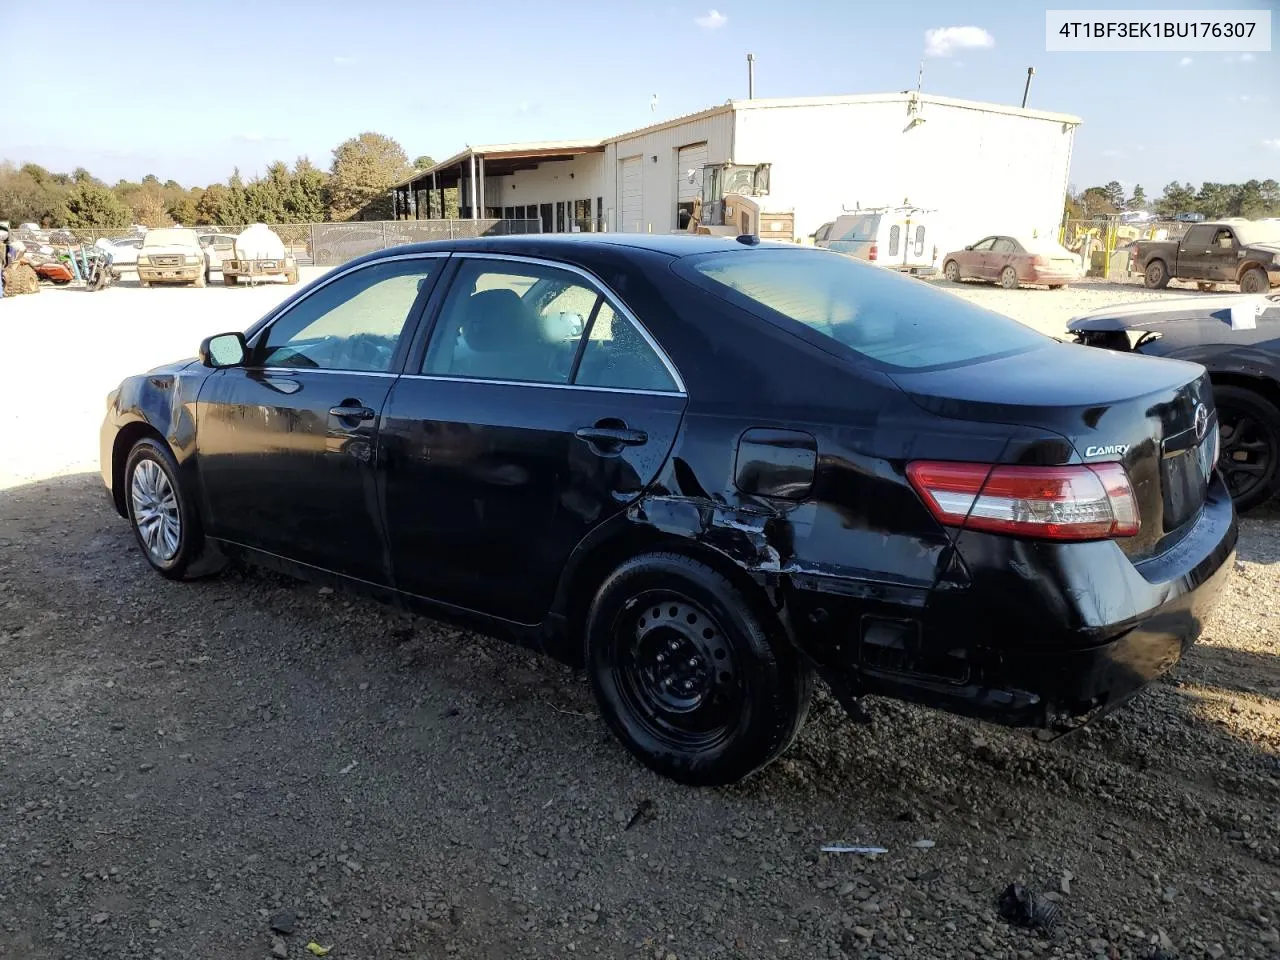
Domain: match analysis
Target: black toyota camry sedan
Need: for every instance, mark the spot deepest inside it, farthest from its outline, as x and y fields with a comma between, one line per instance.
x=709, y=471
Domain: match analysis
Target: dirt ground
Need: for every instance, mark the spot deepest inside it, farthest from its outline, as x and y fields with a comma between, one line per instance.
x=184, y=765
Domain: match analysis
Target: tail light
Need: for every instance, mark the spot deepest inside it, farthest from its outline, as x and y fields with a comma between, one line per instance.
x=873, y=253
x=1081, y=502
x=1038, y=261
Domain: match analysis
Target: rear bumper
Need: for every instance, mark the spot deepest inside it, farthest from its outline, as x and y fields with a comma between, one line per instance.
x=1028, y=634
x=1052, y=277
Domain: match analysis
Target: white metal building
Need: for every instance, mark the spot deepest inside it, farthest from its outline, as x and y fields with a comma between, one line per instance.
x=981, y=167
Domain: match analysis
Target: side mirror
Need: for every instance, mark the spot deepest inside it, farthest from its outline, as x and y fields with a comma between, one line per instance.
x=224, y=350
x=969, y=247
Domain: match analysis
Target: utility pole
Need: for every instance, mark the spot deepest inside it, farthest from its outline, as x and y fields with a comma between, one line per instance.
x=1031, y=72
x=751, y=76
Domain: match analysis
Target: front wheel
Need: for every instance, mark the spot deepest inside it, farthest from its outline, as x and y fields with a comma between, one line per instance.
x=951, y=270
x=164, y=519
x=199, y=281
x=1249, y=445
x=696, y=683
x=1009, y=278
x=1255, y=281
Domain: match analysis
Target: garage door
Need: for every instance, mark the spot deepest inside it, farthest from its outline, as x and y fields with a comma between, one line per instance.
x=692, y=157
x=631, y=181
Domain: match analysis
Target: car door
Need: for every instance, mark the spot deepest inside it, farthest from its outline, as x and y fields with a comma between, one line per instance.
x=286, y=444
x=1004, y=253
x=976, y=261
x=1223, y=255
x=540, y=408
x=1195, y=253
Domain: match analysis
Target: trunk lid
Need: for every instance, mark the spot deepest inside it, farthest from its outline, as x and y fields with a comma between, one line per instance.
x=1152, y=415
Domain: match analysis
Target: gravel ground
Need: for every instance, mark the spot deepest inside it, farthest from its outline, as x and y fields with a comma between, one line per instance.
x=183, y=765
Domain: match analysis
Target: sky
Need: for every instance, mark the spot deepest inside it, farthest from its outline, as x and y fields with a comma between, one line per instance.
x=194, y=92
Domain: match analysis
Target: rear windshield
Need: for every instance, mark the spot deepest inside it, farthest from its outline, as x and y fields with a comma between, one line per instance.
x=891, y=319
x=167, y=237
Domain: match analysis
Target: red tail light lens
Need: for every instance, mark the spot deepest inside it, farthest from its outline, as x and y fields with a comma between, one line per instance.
x=873, y=253
x=1083, y=502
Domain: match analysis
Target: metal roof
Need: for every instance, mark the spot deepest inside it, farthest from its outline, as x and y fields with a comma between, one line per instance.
x=539, y=149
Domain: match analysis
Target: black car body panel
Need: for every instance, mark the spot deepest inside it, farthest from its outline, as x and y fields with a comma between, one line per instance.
x=780, y=462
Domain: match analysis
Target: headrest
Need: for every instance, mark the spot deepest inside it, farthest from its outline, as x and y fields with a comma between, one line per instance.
x=559, y=327
x=494, y=320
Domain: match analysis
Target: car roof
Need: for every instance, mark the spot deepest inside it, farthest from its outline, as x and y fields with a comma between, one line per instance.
x=569, y=246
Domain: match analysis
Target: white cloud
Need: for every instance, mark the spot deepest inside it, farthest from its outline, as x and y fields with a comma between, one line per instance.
x=1273, y=143
x=344, y=61
x=711, y=20
x=1244, y=98
x=1246, y=58
x=944, y=41
x=1185, y=62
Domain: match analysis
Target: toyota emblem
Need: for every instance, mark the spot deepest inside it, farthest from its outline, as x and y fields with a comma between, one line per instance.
x=1202, y=420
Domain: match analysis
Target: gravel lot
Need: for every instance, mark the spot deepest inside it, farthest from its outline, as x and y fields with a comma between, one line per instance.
x=180, y=764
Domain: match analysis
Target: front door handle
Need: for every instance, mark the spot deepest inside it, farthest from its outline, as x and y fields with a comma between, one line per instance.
x=351, y=410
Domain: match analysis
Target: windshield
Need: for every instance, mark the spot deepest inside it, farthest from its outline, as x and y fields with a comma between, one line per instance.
x=1257, y=232
x=857, y=228
x=740, y=180
x=169, y=238
x=891, y=319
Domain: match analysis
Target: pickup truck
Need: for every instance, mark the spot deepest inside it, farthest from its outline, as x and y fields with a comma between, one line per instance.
x=1246, y=252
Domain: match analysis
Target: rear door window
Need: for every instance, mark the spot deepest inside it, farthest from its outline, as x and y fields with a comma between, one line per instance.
x=895, y=233
x=920, y=241
x=882, y=317
x=1004, y=245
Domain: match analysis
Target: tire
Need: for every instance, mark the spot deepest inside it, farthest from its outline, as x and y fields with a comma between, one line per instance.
x=698, y=726
x=1255, y=280
x=291, y=276
x=173, y=541
x=1156, y=275
x=230, y=281
x=1249, y=459
x=144, y=283
x=198, y=281
x=1009, y=278
x=951, y=270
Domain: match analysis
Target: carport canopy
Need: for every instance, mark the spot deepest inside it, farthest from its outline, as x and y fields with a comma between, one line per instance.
x=477, y=164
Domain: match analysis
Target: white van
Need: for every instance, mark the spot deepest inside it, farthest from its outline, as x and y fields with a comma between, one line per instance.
x=897, y=237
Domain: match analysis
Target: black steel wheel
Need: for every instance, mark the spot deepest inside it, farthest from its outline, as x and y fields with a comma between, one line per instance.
x=693, y=681
x=1255, y=280
x=1249, y=445
x=1156, y=276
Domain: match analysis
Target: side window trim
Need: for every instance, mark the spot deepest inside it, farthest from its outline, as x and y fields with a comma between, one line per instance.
x=431, y=317
x=407, y=336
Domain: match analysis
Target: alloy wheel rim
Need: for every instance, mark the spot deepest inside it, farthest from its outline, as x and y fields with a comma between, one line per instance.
x=1246, y=452
x=155, y=511
x=677, y=672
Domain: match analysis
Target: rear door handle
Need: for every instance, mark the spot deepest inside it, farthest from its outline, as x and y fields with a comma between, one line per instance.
x=612, y=436
x=351, y=411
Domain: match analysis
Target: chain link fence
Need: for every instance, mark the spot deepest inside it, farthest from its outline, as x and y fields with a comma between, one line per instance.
x=1103, y=243
x=328, y=244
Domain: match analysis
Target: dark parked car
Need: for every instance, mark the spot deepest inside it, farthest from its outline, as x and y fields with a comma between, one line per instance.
x=707, y=469
x=1246, y=252
x=1243, y=365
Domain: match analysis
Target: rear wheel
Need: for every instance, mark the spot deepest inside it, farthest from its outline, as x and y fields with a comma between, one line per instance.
x=951, y=270
x=1249, y=435
x=1009, y=278
x=230, y=281
x=696, y=684
x=163, y=516
x=1255, y=281
x=1156, y=276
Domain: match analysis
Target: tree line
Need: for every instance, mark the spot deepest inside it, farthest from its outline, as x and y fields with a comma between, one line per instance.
x=355, y=187
x=1253, y=200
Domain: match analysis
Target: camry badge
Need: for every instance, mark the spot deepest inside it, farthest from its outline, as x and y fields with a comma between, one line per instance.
x=1113, y=450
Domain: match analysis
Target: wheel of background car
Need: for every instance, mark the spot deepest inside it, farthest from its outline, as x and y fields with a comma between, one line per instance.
x=952, y=271
x=696, y=684
x=1255, y=281
x=1009, y=278
x=198, y=281
x=1249, y=433
x=164, y=519
x=1156, y=276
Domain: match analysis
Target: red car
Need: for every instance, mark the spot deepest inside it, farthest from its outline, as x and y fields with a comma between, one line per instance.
x=1011, y=261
